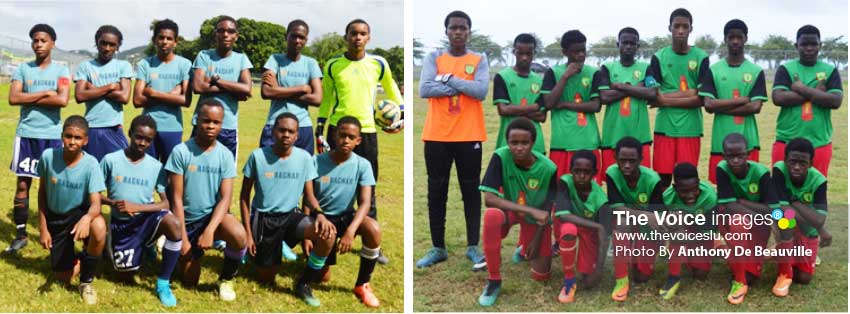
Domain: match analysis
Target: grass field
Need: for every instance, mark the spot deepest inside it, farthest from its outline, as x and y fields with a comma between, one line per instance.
x=23, y=277
x=452, y=286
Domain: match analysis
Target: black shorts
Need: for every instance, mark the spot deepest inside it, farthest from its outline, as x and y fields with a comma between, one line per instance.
x=193, y=232
x=62, y=255
x=269, y=229
x=341, y=223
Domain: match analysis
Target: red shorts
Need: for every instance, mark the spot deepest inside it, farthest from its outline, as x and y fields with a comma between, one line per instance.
x=669, y=151
x=645, y=264
x=759, y=235
x=823, y=155
x=526, y=233
x=716, y=158
x=804, y=263
x=693, y=262
x=588, y=248
x=609, y=159
x=561, y=158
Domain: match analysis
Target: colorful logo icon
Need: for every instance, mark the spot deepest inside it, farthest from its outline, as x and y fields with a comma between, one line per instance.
x=785, y=220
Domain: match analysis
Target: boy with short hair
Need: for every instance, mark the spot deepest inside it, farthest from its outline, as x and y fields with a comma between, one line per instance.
x=69, y=208
x=516, y=91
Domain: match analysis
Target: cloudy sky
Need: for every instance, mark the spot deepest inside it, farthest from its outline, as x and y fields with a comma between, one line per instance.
x=504, y=19
x=76, y=21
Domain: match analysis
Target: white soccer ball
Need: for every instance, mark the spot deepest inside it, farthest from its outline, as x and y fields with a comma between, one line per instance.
x=387, y=114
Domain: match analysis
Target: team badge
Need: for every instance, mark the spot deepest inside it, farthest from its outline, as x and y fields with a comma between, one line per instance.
x=821, y=76
x=588, y=214
x=748, y=77
x=119, y=179
x=585, y=81
x=54, y=180
x=692, y=65
x=636, y=74
x=29, y=82
x=93, y=76
x=154, y=76
x=643, y=198
x=269, y=174
x=535, y=88
x=326, y=179
x=807, y=197
x=192, y=168
x=469, y=69
x=533, y=183
x=753, y=188
x=211, y=69
x=282, y=72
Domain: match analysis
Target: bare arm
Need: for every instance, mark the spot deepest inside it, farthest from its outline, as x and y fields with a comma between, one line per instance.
x=314, y=97
x=18, y=97
x=818, y=95
x=721, y=105
x=143, y=93
x=85, y=91
x=516, y=110
x=688, y=99
x=271, y=90
x=201, y=83
x=752, y=107
x=786, y=98
x=537, y=116
x=242, y=88
x=221, y=208
x=588, y=107
x=122, y=95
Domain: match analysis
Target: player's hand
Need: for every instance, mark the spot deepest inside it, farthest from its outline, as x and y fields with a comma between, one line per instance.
x=798, y=86
x=81, y=229
x=114, y=86
x=51, y=93
x=205, y=241
x=187, y=247
x=306, y=89
x=395, y=127
x=269, y=79
x=177, y=90
x=617, y=85
x=821, y=86
x=307, y=245
x=825, y=238
x=542, y=217
x=324, y=228
x=573, y=69
x=127, y=207
x=251, y=247
x=45, y=239
x=345, y=243
x=148, y=91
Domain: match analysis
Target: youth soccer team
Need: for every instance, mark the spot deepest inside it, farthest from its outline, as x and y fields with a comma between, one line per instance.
x=298, y=197
x=559, y=197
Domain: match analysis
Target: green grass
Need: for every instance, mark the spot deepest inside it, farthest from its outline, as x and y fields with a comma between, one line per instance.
x=452, y=286
x=23, y=277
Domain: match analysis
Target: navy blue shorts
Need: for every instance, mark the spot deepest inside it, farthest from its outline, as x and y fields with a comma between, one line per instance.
x=62, y=253
x=305, y=139
x=127, y=237
x=103, y=141
x=163, y=144
x=193, y=232
x=270, y=229
x=26, y=153
x=230, y=139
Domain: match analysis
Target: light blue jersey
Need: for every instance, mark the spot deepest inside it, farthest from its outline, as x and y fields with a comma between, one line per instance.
x=68, y=188
x=228, y=69
x=202, y=175
x=337, y=185
x=39, y=121
x=103, y=112
x=163, y=77
x=132, y=182
x=292, y=73
x=279, y=183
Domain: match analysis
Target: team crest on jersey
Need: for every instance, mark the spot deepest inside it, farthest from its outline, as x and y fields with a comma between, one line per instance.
x=29, y=82
x=192, y=168
x=748, y=77
x=753, y=188
x=269, y=174
x=93, y=76
x=533, y=183
x=154, y=76
x=821, y=76
x=326, y=179
x=808, y=197
x=642, y=198
x=535, y=88
x=588, y=214
x=692, y=65
x=119, y=179
x=282, y=72
x=54, y=180
x=211, y=69
x=585, y=81
x=469, y=69
x=636, y=74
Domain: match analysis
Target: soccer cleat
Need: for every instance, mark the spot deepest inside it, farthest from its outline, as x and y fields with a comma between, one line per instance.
x=434, y=256
x=817, y=260
x=304, y=292
x=621, y=290
x=219, y=245
x=782, y=286
x=287, y=252
x=568, y=291
x=163, y=291
x=365, y=294
x=16, y=245
x=491, y=293
x=518, y=257
x=225, y=290
x=383, y=259
x=474, y=255
x=668, y=291
x=737, y=293
x=88, y=294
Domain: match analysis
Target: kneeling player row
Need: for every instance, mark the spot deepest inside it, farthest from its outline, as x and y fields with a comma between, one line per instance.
x=200, y=175
x=521, y=186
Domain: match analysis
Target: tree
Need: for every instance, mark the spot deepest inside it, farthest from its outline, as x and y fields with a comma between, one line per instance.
x=707, y=43
x=186, y=48
x=418, y=52
x=605, y=48
x=326, y=47
x=257, y=39
x=654, y=44
x=834, y=50
x=483, y=44
x=395, y=57
x=553, y=50
x=774, y=50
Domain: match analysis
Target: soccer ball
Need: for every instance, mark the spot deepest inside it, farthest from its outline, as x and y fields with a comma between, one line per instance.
x=387, y=114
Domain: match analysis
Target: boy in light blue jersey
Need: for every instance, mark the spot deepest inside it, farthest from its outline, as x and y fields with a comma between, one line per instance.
x=41, y=89
x=69, y=208
x=201, y=171
x=162, y=86
x=273, y=216
x=132, y=178
x=222, y=74
x=104, y=85
x=343, y=177
x=293, y=82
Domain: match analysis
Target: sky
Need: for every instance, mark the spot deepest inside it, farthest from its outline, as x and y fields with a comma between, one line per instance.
x=504, y=19
x=75, y=22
